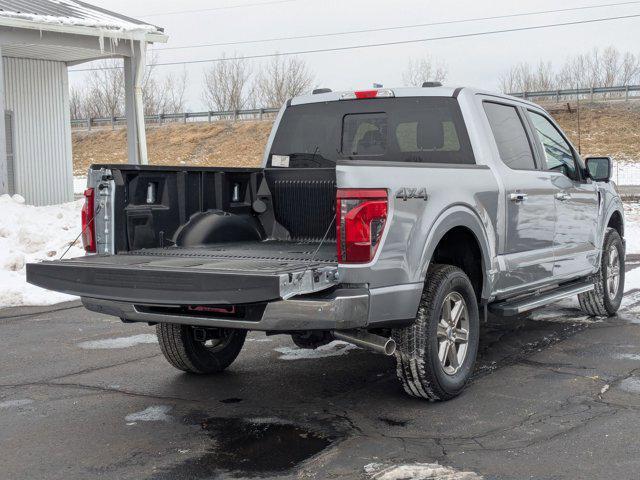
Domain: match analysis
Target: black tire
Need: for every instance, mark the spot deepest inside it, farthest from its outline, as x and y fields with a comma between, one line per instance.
x=599, y=302
x=184, y=352
x=419, y=368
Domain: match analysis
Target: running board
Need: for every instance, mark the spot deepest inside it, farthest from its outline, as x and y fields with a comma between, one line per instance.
x=509, y=308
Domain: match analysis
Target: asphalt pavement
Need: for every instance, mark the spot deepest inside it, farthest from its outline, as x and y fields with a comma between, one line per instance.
x=556, y=395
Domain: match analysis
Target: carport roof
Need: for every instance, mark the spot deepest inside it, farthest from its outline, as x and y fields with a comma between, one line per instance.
x=74, y=16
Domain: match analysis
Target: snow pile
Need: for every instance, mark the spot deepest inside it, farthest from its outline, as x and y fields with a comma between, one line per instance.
x=332, y=349
x=418, y=471
x=32, y=234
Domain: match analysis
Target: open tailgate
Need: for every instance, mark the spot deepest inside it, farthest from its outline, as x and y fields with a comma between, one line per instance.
x=212, y=276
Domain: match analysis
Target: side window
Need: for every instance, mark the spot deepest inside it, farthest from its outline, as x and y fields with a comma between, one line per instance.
x=511, y=137
x=557, y=151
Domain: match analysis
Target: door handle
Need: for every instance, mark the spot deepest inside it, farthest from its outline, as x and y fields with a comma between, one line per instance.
x=517, y=197
x=562, y=196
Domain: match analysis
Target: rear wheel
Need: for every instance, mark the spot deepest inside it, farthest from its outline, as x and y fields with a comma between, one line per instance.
x=435, y=355
x=210, y=353
x=606, y=296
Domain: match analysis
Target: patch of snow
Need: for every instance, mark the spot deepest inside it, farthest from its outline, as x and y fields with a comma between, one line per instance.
x=371, y=468
x=631, y=385
x=632, y=279
x=418, y=471
x=605, y=389
x=79, y=185
x=120, y=342
x=32, y=234
x=628, y=356
x=156, y=413
x=333, y=349
x=16, y=403
x=562, y=316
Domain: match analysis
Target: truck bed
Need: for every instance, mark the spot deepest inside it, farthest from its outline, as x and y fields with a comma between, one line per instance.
x=216, y=274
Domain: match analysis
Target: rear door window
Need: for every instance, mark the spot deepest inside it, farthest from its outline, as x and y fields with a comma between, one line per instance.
x=511, y=138
x=408, y=129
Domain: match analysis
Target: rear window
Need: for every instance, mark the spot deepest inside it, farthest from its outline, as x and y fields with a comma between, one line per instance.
x=416, y=129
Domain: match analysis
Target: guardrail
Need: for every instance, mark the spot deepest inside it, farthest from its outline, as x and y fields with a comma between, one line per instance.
x=184, y=117
x=259, y=113
x=572, y=92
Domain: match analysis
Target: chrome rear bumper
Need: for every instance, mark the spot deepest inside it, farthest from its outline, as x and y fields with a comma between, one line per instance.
x=341, y=309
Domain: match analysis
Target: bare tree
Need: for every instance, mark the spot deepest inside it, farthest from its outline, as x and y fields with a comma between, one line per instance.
x=281, y=79
x=424, y=70
x=104, y=94
x=629, y=69
x=163, y=95
x=105, y=89
x=77, y=103
x=227, y=85
x=525, y=78
x=597, y=68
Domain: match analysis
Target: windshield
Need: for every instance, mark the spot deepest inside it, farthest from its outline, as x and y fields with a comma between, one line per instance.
x=416, y=129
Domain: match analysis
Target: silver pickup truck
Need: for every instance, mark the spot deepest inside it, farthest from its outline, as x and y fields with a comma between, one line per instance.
x=393, y=219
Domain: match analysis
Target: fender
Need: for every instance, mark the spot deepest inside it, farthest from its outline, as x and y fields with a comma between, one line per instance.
x=462, y=215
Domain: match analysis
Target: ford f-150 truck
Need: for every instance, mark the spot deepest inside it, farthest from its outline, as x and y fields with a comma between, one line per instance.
x=394, y=219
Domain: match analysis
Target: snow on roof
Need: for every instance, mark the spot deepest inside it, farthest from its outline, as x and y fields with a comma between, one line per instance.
x=72, y=13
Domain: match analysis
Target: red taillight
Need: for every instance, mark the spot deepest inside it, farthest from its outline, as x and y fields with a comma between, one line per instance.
x=88, y=225
x=361, y=215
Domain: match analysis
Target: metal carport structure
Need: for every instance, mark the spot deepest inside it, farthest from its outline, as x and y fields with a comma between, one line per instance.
x=39, y=40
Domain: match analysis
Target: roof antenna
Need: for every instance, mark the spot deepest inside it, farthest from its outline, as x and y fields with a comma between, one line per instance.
x=578, y=112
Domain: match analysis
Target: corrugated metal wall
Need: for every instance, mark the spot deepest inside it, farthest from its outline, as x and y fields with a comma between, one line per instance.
x=37, y=94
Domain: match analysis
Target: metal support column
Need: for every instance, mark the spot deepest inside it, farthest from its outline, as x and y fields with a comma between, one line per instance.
x=4, y=167
x=134, y=109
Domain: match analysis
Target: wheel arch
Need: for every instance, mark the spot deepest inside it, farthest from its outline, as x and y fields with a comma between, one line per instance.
x=616, y=221
x=453, y=228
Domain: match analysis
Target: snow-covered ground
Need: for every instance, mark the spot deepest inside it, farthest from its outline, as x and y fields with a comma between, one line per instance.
x=79, y=185
x=632, y=227
x=626, y=172
x=29, y=234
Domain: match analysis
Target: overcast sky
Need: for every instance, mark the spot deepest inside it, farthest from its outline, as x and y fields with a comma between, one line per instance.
x=472, y=61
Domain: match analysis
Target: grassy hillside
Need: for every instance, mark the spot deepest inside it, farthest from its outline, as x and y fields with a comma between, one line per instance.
x=606, y=130
x=239, y=144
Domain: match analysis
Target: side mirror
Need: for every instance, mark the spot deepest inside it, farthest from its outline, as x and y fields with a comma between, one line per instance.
x=599, y=168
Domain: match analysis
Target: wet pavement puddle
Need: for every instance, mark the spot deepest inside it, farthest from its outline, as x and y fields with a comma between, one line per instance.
x=246, y=447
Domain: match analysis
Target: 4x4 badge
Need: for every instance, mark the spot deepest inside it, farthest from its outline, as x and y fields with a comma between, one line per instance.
x=406, y=193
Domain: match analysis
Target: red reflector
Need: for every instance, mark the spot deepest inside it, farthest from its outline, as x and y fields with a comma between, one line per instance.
x=88, y=225
x=202, y=308
x=366, y=94
x=361, y=218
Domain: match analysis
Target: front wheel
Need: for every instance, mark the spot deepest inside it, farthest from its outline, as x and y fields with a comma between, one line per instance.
x=606, y=296
x=436, y=354
x=211, y=354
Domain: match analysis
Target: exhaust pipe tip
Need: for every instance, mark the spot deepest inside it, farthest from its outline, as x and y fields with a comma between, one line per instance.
x=363, y=339
x=390, y=347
